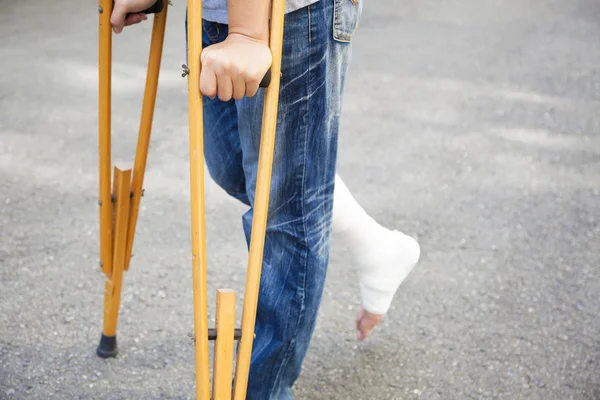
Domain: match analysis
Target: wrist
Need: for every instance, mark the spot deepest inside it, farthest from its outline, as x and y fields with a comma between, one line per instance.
x=250, y=18
x=257, y=35
x=241, y=34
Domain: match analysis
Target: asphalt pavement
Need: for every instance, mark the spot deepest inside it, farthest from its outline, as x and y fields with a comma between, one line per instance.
x=473, y=125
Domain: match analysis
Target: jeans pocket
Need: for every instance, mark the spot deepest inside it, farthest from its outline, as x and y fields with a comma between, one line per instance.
x=212, y=31
x=346, y=15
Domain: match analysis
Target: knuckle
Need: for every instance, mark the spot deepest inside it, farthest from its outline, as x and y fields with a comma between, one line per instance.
x=223, y=67
x=253, y=78
x=224, y=96
x=239, y=95
x=207, y=90
x=208, y=58
x=234, y=70
x=251, y=90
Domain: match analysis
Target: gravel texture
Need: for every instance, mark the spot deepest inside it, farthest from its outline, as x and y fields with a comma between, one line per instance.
x=473, y=125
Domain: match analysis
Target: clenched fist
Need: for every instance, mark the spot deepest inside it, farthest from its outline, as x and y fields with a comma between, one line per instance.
x=119, y=17
x=235, y=67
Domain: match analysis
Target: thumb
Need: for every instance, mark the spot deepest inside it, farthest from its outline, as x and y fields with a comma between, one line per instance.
x=117, y=19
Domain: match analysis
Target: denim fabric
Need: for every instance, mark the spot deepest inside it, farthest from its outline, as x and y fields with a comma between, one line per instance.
x=316, y=53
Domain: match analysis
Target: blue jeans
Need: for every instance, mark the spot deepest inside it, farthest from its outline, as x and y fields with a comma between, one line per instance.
x=316, y=53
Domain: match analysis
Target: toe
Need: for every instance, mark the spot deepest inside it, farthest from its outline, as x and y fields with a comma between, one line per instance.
x=366, y=322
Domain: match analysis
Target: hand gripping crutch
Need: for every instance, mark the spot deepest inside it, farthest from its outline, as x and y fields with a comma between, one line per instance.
x=116, y=236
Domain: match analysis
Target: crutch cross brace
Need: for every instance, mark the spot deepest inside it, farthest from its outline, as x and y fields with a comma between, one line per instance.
x=119, y=205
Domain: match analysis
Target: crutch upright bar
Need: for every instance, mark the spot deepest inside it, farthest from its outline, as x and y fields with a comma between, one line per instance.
x=104, y=125
x=148, y=105
x=261, y=203
x=196, y=155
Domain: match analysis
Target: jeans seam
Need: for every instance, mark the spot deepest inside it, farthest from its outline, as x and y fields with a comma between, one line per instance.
x=309, y=26
x=303, y=187
x=339, y=32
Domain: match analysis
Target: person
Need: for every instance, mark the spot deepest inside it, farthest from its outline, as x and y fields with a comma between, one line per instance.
x=308, y=199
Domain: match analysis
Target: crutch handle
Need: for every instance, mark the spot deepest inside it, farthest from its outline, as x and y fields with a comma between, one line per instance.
x=266, y=79
x=158, y=6
x=154, y=9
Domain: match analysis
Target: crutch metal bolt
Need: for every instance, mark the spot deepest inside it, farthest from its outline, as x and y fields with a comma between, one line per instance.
x=212, y=334
x=131, y=194
x=117, y=222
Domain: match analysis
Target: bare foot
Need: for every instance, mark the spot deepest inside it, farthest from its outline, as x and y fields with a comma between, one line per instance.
x=366, y=322
x=383, y=267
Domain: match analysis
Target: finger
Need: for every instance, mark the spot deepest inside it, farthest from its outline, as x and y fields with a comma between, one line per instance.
x=252, y=88
x=118, y=16
x=135, y=19
x=132, y=19
x=252, y=83
x=239, y=87
x=208, y=82
x=224, y=87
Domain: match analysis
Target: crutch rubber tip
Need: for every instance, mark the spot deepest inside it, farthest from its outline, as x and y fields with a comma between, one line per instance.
x=107, y=347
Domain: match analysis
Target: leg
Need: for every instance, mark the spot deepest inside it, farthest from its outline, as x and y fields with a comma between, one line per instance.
x=297, y=240
x=222, y=151
x=384, y=257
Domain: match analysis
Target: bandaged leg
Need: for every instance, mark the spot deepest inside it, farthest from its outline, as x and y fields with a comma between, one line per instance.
x=384, y=257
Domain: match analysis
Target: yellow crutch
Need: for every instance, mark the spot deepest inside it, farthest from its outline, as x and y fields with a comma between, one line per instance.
x=259, y=222
x=119, y=209
x=117, y=222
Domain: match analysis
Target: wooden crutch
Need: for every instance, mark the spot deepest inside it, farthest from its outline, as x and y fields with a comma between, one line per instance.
x=116, y=238
x=225, y=333
x=119, y=209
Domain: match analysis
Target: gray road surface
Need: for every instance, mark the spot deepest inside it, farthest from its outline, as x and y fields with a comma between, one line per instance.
x=472, y=124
